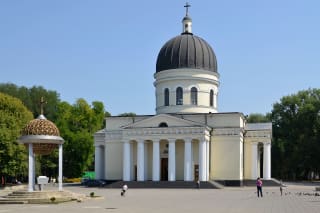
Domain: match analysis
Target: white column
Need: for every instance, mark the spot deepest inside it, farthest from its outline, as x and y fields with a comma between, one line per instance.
x=126, y=161
x=146, y=161
x=97, y=162
x=254, y=161
x=187, y=160
x=267, y=161
x=132, y=166
x=207, y=160
x=172, y=160
x=60, y=167
x=156, y=161
x=31, y=171
x=106, y=161
x=34, y=171
x=140, y=159
x=202, y=160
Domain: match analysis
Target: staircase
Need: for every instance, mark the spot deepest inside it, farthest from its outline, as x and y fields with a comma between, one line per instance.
x=39, y=197
x=271, y=182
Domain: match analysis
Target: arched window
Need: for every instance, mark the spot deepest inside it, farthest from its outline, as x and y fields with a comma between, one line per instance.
x=179, y=96
x=166, y=97
x=163, y=124
x=211, y=98
x=194, y=96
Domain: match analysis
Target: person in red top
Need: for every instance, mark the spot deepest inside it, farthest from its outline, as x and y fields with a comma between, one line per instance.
x=259, y=187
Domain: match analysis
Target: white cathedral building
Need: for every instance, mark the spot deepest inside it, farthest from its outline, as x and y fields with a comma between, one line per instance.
x=187, y=139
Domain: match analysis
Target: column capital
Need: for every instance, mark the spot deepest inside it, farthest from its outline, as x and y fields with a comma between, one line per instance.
x=203, y=138
x=187, y=139
x=171, y=140
x=140, y=140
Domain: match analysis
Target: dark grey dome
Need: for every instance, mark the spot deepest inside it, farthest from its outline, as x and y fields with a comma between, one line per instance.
x=186, y=51
x=186, y=18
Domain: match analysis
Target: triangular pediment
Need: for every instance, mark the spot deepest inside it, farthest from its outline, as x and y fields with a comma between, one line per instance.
x=158, y=120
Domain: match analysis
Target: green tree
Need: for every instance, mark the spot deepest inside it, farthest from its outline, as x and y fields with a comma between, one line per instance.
x=128, y=114
x=258, y=118
x=13, y=117
x=77, y=124
x=31, y=98
x=296, y=133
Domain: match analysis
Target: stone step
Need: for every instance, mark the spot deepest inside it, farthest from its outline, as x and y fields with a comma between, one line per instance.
x=161, y=184
x=40, y=197
x=13, y=202
x=271, y=182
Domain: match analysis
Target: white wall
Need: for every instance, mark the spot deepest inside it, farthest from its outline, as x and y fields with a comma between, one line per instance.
x=113, y=159
x=226, y=158
x=180, y=160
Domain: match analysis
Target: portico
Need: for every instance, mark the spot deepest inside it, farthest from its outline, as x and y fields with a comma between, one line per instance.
x=174, y=156
x=150, y=152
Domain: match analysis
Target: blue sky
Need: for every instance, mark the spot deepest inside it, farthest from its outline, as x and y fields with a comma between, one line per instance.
x=106, y=50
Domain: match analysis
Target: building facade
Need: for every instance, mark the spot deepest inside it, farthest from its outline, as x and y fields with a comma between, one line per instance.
x=187, y=139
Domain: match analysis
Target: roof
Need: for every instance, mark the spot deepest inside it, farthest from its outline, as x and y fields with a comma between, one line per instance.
x=186, y=51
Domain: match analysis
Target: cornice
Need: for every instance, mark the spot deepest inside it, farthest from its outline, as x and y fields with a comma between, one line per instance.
x=228, y=132
x=166, y=131
x=258, y=134
x=173, y=132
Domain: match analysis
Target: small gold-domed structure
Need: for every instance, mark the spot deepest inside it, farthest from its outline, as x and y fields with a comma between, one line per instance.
x=41, y=136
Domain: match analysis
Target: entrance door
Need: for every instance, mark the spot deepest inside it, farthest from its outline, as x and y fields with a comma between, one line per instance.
x=164, y=169
x=196, y=172
x=135, y=172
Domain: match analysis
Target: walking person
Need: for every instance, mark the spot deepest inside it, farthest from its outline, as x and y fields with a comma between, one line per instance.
x=124, y=189
x=281, y=187
x=198, y=184
x=259, y=187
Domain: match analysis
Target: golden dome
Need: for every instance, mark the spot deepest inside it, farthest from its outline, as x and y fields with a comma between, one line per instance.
x=43, y=134
x=41, y=126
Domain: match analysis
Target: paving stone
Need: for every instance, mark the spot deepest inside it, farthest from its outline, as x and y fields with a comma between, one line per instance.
x=295, y=199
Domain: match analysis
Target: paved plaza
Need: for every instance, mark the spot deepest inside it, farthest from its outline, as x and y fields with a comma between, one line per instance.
x=296, y=198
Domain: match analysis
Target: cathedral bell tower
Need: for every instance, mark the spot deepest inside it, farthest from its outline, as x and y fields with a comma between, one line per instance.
x=186, y=78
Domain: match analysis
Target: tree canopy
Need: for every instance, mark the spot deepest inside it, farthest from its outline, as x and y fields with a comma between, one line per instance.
x=296, y=135
x=258, y=118
x=31, y=98
x=77, y=124
x=13, y=117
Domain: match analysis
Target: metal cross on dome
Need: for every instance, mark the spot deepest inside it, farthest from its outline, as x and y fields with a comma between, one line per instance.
x=42, y=103
x=187, y=8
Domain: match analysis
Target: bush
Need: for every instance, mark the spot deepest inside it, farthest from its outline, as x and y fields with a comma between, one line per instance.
x=72, y=180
